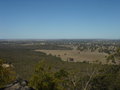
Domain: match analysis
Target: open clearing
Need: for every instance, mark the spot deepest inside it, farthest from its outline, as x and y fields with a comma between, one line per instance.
x=77, y=56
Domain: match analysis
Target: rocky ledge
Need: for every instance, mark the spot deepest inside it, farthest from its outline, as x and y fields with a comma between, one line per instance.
x=18, y=85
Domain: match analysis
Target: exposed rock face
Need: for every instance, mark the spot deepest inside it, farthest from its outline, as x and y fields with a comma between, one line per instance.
x=18, y=85
x=7, y=65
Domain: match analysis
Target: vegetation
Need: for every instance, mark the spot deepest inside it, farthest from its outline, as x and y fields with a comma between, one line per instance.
x=45, y=79
x=7, y=74
x=42, y=79
x=104, y=78
x=114, y=57
x=107, y=79
x=51, y=73
x=24, y=60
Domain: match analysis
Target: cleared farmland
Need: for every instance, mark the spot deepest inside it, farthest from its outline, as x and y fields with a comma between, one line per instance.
x=77, y=56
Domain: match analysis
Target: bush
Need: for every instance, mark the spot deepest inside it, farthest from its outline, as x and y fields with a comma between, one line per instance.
x=45, y=79
x=7, y=75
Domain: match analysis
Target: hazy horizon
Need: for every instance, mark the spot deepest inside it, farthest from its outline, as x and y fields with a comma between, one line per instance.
x=59, y=19
x=61, y=39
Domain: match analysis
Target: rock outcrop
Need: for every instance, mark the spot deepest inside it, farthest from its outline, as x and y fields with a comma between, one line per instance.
x=18, y=85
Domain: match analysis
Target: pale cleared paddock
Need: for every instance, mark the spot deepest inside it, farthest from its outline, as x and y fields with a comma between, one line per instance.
x=77, y=55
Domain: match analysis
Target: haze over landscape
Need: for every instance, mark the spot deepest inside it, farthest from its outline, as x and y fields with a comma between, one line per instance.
x=59, y=19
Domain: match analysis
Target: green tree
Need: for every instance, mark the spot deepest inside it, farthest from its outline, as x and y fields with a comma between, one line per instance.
x=42, y=78
x=107, y=79
x=61, y=79
x=45, y=78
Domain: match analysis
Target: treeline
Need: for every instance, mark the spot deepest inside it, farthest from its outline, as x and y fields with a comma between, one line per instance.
x=33, y=45
x=100, y=47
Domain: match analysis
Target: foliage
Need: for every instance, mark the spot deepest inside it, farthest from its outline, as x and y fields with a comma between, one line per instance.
x=45, y=79
x=7, y=75
x=104, y=78
x=107, y=79
x=114, y=57
x=42, y=79
x=24, y=60
x=61, y=79
x=74, y=76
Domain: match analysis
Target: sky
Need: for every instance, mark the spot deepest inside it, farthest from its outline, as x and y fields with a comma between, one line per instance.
x=59, y=19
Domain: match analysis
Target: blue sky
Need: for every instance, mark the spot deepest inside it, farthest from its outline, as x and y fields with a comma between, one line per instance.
x=59, y=19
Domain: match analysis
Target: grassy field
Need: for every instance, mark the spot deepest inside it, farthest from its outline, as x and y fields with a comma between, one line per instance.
x=92, y=57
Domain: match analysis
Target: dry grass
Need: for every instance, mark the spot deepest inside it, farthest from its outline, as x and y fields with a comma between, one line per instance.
x=78, y=56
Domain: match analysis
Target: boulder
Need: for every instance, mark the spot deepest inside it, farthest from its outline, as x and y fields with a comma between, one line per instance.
x=18, y=85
